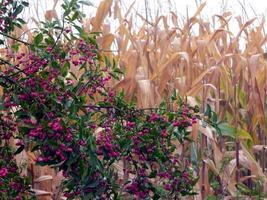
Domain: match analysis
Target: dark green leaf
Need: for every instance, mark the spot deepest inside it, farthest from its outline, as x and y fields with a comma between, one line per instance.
x=87, y=3
x=18, y=10
x=25, y=3
x=65, y=69
x=38, y=39
x=75, y=16
x=19, y=150
x=208, y=111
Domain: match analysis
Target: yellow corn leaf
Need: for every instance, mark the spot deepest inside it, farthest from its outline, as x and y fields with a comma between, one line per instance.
x=101, y=13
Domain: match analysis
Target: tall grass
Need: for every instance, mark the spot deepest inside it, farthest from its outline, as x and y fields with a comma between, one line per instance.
x=215, y=66
x=207, y=63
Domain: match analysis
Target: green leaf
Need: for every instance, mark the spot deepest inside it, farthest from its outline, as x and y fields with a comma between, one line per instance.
x=79, y=29
x=87, y=3
x=118, y=70
x=114, y=75
x=214, y=117
x=25, y=3
x=35, y=148
x=65, y=69
x=15, y=47
x=242, y=134
x=19, y=150
x=228, y=130
x=212, y=198
x=174, y=95
x=75, y=16
x=18, y=10
x=243, y=188
x=93, y=41
x=73, y=75
x=208, y=111
x=38, y=39
x=49, y=41
x=20, y=20
x=153, y=174
x=107, y=62
x=55, y=64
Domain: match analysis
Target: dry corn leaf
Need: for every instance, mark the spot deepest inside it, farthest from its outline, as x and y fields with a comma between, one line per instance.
x=102, y=12
x=174, y=57
x=51, y=14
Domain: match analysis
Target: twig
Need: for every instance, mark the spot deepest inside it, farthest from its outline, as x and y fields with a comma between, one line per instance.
x=14, y=66
x=16, y=39
x=59, y=36
x=131, y=110
x=108, y=50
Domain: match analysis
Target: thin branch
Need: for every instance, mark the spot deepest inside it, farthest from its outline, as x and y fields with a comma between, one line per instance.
x=16, y=39
x=59, y=36
x=108, y=50
x=118, y=109
x=14, y=66
x=5, y=61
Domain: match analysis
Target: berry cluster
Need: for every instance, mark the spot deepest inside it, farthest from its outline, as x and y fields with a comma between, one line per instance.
x=146, y=142
x=9, y=11
x=12, y=184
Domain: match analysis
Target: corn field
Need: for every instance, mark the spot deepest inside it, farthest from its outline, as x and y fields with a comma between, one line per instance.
x=207, y=64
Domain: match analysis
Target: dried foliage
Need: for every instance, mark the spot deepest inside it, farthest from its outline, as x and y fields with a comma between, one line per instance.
x=210, y=66
x=206, y=65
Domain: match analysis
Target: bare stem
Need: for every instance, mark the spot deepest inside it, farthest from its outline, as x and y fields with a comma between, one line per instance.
x=16, y=39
